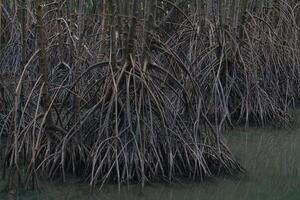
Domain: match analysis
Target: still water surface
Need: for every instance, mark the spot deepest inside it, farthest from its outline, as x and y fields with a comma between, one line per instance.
x=270, y=156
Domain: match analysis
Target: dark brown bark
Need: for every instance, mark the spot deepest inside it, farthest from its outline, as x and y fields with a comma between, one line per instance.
x=43, y=68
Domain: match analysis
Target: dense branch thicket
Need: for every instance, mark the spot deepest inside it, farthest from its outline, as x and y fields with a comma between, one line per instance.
x=139, y=90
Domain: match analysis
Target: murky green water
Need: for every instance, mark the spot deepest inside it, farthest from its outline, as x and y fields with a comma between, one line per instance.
x=271, y=157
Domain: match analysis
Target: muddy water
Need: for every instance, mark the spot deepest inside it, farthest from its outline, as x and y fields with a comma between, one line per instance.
x=271, y=157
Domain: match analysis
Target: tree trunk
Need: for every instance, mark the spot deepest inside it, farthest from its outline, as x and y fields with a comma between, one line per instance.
x=43, y=69
x=1, y=4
